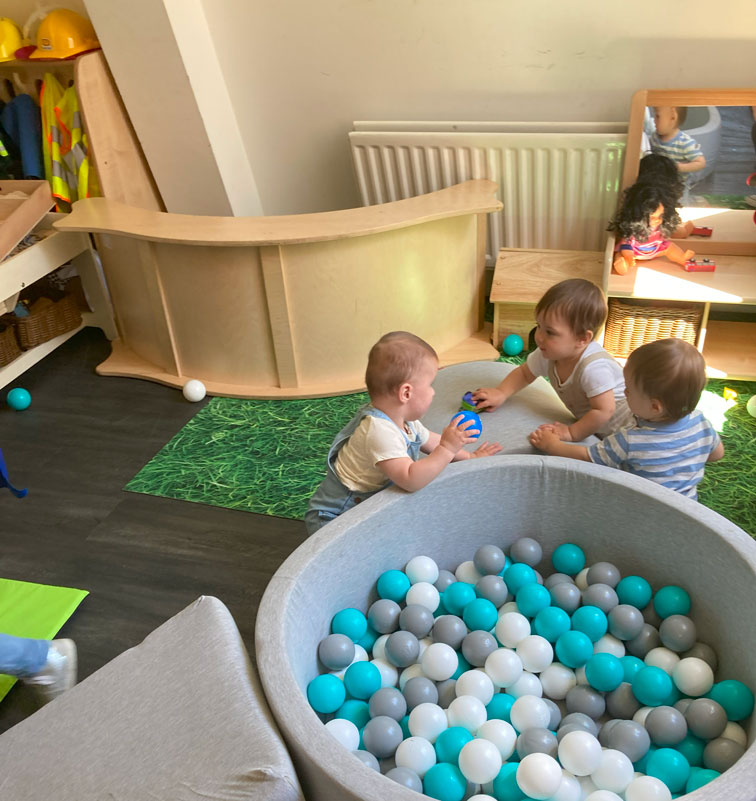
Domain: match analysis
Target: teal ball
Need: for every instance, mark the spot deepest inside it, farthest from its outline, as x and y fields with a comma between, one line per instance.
x=445, y=782
x=635, y=591
x=393, y=584
x=326, y=693
x=568, y=558
x=513, y=345
x=18, y=399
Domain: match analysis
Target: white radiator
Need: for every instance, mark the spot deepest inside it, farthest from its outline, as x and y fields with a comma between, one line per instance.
x=558, y=185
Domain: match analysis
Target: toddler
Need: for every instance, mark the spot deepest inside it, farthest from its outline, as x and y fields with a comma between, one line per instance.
x=380, y=445
x=671, y=440
x=587, y=379
x=670, y=141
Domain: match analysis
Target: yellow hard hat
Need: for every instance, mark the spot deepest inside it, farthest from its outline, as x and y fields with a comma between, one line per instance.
x=10, y=39
x=64, y=34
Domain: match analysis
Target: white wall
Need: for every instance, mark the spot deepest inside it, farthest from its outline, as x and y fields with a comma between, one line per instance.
x=20, y=10
x=299, y=71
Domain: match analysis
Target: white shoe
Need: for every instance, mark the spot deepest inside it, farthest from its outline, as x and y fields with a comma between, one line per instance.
x=58, y=673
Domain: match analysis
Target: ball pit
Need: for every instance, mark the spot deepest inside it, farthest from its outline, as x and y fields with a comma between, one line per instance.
x=687, y=546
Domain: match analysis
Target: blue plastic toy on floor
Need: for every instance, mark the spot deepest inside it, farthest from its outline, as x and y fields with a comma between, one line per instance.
x=5, y=481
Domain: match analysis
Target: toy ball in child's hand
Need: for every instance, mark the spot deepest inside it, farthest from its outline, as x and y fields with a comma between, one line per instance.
x=476, y=426
x=194, y=390
x=751, y=406
x=18, y=399
x=512, y=345
x=468, y=404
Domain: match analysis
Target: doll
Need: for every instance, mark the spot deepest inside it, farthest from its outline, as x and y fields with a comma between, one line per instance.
x=644, y=224
x=654, y=168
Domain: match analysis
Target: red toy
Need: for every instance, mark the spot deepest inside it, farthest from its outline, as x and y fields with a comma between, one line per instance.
x=702, y=266
x=702, y=231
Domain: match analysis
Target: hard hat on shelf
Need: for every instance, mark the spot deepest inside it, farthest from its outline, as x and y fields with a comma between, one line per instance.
x=64, y=34
x=10, y=39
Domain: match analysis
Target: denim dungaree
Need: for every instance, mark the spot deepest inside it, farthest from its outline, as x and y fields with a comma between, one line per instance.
x=332, y=498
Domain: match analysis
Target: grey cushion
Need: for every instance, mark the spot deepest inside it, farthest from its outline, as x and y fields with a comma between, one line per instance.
x=180, y=717
x=643, y=528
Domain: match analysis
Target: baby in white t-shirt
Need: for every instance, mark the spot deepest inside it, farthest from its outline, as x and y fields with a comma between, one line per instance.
x=587, y=379
x=381, y=444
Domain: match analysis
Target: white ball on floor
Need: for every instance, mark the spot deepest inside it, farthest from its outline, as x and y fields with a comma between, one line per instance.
x=751, y=406
x=194, y=390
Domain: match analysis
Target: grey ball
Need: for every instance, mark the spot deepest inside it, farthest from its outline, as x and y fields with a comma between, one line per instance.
x=476, y=647
x=555, y=712
x=703, y=651
x=603, y=573
x=625, y=621
x=489, y=559
x=406, y=777
x=706, y=718
x=381, y=736
x=650, y=615
x=566, y=729
x=721, y=754
x=683, y=704
x=603, y=736
x=601, y=595
x=420, y=690
x=631, y=738
x=536, y=741
x=678, y=633
x=416, y=619
x=526, y=550
x=621, y=703
x=557, y=578
x=445, y=578
x=402, y=648
x=493, y=589
x=666, y=726
x=336, y=651
x=582, y=721
x=387, y=764
x=566, y=596
x=447, y=692
x=586, y=700
x=644, y=641
x=368, y=760
x=383, y=616
x=449, y=629
x=388, y=702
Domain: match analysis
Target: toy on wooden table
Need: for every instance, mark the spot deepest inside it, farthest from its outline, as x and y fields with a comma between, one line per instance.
x=699, y=266
x=702, y=230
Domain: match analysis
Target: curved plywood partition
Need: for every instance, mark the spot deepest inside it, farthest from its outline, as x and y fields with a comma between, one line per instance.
x=287, y=307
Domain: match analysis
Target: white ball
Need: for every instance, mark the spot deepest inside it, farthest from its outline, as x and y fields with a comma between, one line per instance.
x=411, y=672
x=529, y=712
x=427, y=721
x=569, y=789
x=439, y=661
x=481, y=797
x=603, y=795
x=417, y=754
x=615, y=771
x=477, y=683
x=586, y=786
x=535, y=652
x=647, y=788
x=501, y=734
x=579, y=752
x=194, y=390
x=751, y=405
x=360, y=654
x=539, y=776
x=379, y=647
x=508, y=607
x=527, y=684
x=663, y=658
x=641, y=715
x=503, y=666
x=479, y=761
x=582, y=579
x=389, y=673
x=735, y=732
x=609, y=644
x=468, y=712
x=511, y=629
x=468, y=572
x=557, y=680
x=580, y=676
x=423, y=644
x=421, y=568
x=423, y=594
x=693, y=676
x=345, y=732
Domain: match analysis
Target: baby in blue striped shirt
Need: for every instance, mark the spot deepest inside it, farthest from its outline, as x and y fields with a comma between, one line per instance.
x=671, y=441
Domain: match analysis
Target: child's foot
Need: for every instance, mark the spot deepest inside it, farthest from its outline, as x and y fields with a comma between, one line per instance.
x=58, y=673
x=620, y=266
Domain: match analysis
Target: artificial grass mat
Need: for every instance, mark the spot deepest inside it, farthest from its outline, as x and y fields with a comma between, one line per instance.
x=269, y=456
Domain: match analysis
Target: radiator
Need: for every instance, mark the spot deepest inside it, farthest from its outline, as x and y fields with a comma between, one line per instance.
x=558, y=182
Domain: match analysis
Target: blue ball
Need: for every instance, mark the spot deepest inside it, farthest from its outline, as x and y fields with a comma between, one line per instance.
x=630, y=666
x=518, y=575
x=671, y=600
x=670, y=766
x=367, y=641
x=505, y=787
x=499, y=706
x=652, y=686
x=462, y=666
x=457, y=596
x=358, y=712
x=350, y=622
x=604, y=672
x=532, y=598
x=699, y=777
x=512, y=345
x=551, y=622
x=692, y=749
x=480, y=614
x=404, y=723
x=568, y=558
x=635, y=591
x=18, y=399
x=735, y=698
x=362, y=679
x=591, y=621
x=449, y=743
x=574, y=649
x=393, y=584
x=445, y=782
x=476, y=426
x=326, y=693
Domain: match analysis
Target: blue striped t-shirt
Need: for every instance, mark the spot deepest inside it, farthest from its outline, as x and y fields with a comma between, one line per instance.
x=671, y=454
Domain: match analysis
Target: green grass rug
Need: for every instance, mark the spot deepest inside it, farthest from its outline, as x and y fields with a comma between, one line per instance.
x=34, y=610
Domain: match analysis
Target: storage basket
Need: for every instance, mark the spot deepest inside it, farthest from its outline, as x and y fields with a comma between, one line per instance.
x=632, y=323
x=9, y=349
x=47, y=319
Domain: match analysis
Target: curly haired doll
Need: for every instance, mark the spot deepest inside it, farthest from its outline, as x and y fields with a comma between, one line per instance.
x=654, y=168
x=645, y=222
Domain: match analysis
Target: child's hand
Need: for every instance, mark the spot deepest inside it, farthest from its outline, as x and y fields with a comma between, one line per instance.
x=544, y=439
x=486, y=449
x=455, y=436
x=560, y=429
x=487, y=399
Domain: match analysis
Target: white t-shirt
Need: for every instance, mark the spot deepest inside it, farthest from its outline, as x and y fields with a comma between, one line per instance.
x=374, y=440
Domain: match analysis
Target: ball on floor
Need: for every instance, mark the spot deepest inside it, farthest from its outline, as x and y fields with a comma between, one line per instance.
x=194, y=390
x=512, y=345
x=18, y=399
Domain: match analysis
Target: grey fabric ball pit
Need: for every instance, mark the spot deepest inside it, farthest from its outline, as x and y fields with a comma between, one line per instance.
x=616, y=517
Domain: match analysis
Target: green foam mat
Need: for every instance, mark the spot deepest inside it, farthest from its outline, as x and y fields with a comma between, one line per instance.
x=37, y=611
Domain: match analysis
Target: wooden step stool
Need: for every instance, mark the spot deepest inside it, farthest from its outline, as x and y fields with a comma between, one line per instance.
x=522, y=276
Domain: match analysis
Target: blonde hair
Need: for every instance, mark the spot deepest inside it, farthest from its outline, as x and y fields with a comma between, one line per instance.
x=395, y=359
x=581, y=303
x=671, y=371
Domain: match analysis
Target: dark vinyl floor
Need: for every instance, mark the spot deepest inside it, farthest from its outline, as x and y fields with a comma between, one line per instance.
x=143, y=559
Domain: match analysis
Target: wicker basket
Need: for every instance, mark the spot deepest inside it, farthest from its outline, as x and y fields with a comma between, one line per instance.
x=632, y=323
x=9, y=349
x=47, y=319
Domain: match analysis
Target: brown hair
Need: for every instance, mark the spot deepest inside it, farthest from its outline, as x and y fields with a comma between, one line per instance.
x=394, y=359
x=581, y=303
x=671, y=371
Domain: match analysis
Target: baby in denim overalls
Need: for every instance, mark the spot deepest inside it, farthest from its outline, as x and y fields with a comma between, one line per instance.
x=380, y=445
